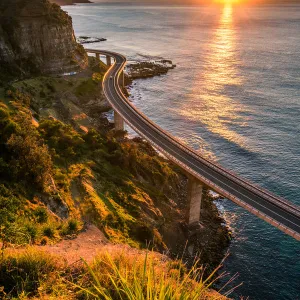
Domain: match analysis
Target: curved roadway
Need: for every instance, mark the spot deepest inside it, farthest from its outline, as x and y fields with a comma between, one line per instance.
x=273, y=209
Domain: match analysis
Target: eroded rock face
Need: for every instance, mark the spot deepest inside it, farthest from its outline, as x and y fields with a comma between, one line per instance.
x=37, y=37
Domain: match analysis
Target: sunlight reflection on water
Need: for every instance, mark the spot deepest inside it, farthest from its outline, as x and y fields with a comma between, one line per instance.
x=206, y=103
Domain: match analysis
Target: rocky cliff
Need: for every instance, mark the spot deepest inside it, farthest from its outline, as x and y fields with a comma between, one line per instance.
x=37, y=37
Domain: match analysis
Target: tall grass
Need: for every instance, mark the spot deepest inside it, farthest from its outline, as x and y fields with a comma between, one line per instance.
x=115, y=274
x=23, y=272
x=139, y=277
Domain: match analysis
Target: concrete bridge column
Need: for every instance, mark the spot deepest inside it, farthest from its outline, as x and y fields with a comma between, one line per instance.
x=108, y=60
x=121, y=80
x=195, y=194
x=98, y=56
x=119, y=122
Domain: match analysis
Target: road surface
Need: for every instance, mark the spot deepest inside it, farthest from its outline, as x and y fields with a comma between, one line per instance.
x=275, y=210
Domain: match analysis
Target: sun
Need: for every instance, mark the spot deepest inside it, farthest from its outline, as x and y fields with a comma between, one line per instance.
x=228, y=1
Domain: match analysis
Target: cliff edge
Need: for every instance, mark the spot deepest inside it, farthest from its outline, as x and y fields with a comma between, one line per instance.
x=37, y=37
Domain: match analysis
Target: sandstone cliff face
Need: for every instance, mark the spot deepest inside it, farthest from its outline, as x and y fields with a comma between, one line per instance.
x=37, y=37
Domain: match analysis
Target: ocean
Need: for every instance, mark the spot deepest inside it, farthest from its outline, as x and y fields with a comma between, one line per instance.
x=234, y=96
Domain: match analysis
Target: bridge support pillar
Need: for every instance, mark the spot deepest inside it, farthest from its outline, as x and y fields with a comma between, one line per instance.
x=119, y=122
x=98, y=56
x=108, y=60
x=195, y=194
x=121, y=80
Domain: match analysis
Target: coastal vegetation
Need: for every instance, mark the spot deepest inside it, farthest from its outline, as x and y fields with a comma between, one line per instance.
x=61, y=170
x=54, y=160
x=121, y=274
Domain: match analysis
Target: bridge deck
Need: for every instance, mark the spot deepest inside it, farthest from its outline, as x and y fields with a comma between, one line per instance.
x=273, y=209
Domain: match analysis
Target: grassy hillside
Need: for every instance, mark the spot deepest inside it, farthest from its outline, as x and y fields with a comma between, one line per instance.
x=63, y=166
x=55, y=176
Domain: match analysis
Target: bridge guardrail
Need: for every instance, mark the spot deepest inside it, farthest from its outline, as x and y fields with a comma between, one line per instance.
x=230, y=175
x=248, y=185
x=237, y=179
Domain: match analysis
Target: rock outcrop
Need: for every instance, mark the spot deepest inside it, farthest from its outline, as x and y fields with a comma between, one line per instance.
x=69, y=2
x=37, y=37
x=146, y=69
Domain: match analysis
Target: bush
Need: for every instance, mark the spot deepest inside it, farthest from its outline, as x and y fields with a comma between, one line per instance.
x=49, y=232
x=30, y=160
x=73, y=226
x=44, y=241
x=87, y=87
x=9, y=207
x=19, y=96
x=41, y=215
x=42, y=94
x=10, y=128
x=97, y=77
x=22, y=273
x=32, y=232
x=7, y=125
x=62, y=139
x=4, y=114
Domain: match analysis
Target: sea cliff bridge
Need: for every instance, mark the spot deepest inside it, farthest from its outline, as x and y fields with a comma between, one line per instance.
x=278, y=212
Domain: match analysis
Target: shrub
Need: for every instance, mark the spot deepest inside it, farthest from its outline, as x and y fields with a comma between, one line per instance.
x=44, y=241
x=9, y=207
x=93, y=139
x=42, y=94
x=30, y=159
x=73, y=226
x=62, y=139
x=22, y=273
x=7, y=125
x=19, y=96
x=51, y=87
x=4, y=114
x=10, y=128
x=87, y=87
x=97, y=77
x=41, y=215
x=32, y=232
x=49, y=232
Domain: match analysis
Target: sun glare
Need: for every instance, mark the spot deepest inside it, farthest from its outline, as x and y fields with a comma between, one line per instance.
x=228, y=2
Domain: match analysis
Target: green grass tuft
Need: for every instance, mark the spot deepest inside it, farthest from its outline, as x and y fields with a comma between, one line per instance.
x=146, y=277
x=116, y=273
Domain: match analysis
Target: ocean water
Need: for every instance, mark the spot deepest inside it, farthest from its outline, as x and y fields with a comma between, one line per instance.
x=235, y=96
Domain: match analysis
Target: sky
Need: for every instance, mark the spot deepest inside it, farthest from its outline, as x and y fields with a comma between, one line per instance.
x=184, y=2
x=196, y=1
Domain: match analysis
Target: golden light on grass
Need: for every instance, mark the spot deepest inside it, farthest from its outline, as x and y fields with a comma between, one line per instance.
x=116, y=273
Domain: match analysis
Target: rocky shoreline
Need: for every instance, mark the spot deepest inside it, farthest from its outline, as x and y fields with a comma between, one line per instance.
x=148, y=69
x=89, y=40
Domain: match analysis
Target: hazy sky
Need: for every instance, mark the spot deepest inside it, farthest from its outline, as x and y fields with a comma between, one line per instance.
x=182, y=2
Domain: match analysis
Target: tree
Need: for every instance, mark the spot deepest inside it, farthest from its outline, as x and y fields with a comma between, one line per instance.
x=30, y=159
